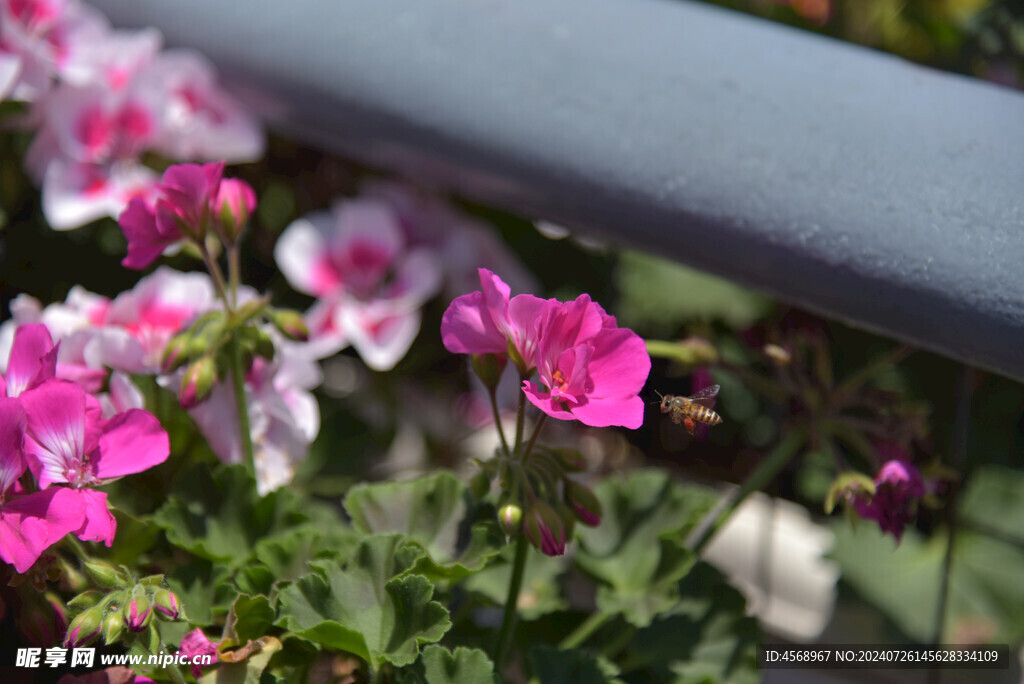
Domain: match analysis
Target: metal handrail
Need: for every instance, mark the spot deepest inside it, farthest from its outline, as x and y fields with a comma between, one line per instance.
x=846, y=181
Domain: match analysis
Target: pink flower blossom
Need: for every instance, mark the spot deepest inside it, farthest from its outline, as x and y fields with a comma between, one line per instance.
x=371, y=286
x=592, y=369
x=182, y=209
x=32, y=360
x=29, y=523
x=68, y=441
x=196, y=643
x=235, y=202
x=490, y=322
x=898, y=486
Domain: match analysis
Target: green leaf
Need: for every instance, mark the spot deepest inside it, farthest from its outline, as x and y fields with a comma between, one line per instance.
x=636, y=553
x=204, y=589
x=220, y=517
x=249, y=619
x=248, y=671
x=540, y=593
x=368, y=607
x=552, y=666
x=659, y=295
x=434, y=511
x=438, y=665
x=903, y=581
x=705, y=638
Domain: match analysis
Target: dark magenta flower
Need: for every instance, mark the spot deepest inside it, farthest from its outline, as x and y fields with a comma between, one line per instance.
x=181, y=208
x=194, y=644
x=898, y=486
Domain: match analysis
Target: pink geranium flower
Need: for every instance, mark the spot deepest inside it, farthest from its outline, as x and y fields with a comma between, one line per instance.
x=370, y=284
x=490, y=322
x=68, y=441
x=181, y=209
x=33, y=360
x=29, y=523
x=898, y=486
x=592, y=369
x=196, y=643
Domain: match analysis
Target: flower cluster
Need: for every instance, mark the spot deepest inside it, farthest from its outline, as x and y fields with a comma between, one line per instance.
x=589, y=369
x=373, y=261
x=56, y=431
x=129, y=335
x=101, y=98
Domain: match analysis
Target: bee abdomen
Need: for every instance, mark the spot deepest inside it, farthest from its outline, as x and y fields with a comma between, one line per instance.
x=706, y=415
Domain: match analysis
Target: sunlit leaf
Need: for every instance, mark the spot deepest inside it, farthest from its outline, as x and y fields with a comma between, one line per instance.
x=434, y=511
x=369, y=606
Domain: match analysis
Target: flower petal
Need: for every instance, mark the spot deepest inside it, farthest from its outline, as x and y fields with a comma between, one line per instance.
x=33, y=358
x=131, y=442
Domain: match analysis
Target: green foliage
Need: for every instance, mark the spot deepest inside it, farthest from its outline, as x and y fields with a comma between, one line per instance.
x=370, y=606
x=540, y=593
x=435, y=512
x=552, y=666
x=706, y=637
x=658, y=296
x=438, y=665
x=985, y=593
x=247, y=671
x=217, y=514
x=637, y=552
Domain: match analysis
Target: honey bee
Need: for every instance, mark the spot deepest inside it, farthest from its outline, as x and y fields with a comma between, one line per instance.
x=686, y=410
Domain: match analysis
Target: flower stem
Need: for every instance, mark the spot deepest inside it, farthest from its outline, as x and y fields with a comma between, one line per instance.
x=720, y=512
x=520, y=419
x=584, y=630
x=533, y=437
x=238, y=380
x=497, y=421
x=234, y=273
x=518, y=568
x=215, y=273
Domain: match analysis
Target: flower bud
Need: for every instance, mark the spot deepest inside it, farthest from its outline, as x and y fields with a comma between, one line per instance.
x=198, y=382
x=113, y=627
x=584, y=504
x=102, y=574
x=544, y=529
x=175, y=353
x=232, y=208
x=43, y=622
x=290, y=324
x=138, y=612
x=489, y=367
x=510, y=516
x=166, y=605
x=85, y=628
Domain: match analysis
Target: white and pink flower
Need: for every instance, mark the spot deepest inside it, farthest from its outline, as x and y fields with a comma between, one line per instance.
x=370, y=284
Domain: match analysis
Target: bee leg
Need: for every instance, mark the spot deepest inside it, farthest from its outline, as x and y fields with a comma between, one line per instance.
x=677, y=419
x=690, y=426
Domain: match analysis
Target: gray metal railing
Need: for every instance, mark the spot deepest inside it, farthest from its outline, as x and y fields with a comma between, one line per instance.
x=846, y=181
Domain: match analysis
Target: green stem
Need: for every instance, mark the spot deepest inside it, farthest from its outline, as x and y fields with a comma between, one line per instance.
x=533, y=437
x=584, y=630
x=853, y=383
x=497, y=421
x=215, y=273
x=511, y=602
x=234, y=273
x=520, y=419
x=172, y=669
x=238, y=380
x=769, y=468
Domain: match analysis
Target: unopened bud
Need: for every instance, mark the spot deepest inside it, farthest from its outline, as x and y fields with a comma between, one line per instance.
x=544, y=529
x=780, y=356
x=166, y=605
x=85, y=628
x=175, y=353
x=113, y=627
x=290, y=324
x=43, y=622
x=489, y=367
x=232, y=208
x=522, y=365
x=510, y=516
x=584, y=504
x=138, y=613
x=102, y=574
x=198, y=382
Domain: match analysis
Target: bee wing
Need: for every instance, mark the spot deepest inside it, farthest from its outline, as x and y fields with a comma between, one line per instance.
x=706, y=396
